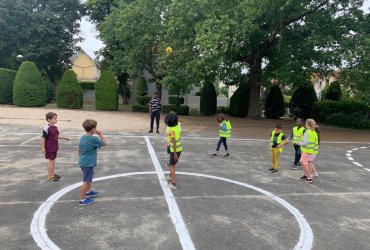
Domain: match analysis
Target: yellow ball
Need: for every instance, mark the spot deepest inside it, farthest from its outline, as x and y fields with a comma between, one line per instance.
x=169, y=50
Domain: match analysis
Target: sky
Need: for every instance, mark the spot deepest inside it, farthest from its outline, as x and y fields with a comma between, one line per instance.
x=91, y=43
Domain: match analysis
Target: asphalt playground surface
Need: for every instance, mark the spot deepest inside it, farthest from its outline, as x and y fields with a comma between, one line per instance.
x=132, y=210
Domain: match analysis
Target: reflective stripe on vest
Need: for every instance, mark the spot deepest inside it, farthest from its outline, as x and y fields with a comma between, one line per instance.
x=279, y=139
x=227, y=133
x=313, y=143
x=177, y=131
x=298, y=134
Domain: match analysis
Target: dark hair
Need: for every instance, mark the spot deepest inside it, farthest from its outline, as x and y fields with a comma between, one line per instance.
x=317, y=129
x=89, y=124
x=166, y=118
x=50, y=115
x=300, y=120
x=279, y=126
x=172, y=119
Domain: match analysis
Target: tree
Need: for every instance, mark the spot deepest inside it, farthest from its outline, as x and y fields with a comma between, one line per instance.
x=208, y=99
x=69, y=92
x=302, y=102
x=274, y=108
x=29, y=88
x=239, y=102
x=334, y=92
x=106, y=92
x=6, y=85
x=45, y=32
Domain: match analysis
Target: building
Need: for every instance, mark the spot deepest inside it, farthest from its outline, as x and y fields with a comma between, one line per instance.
x=85, y=67
x=320, y=83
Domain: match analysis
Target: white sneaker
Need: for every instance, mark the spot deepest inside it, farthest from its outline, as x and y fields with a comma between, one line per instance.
x=168, y=178
x=171, y=186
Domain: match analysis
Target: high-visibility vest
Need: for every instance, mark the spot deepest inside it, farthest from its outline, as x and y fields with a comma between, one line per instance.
x=298, y=134
x=177, y=131
x=168, y=131
x=313, y=143
x=223, y=133
x=279, y=139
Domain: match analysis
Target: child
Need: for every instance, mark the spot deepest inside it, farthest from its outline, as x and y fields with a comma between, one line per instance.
x=225, y=132
x=87, y=152
x=278, y=140
x=310, y=148
x=173, y=137
x=297, y=136
x=49, y=144
x=167, y=141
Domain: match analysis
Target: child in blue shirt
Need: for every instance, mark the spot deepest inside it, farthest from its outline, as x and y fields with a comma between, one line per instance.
x=87, y=152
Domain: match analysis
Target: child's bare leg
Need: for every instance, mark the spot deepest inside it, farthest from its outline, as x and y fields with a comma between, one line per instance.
x=51, y=167
x=173, y=173
x=84, y=189
x=307, y=171
x=313, y=169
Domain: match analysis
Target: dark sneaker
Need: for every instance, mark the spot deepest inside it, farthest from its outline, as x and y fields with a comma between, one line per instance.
x=52, y=178
x=157, y=131
x=57, y=176
x=213, y=155
x=227, y=155
x=308, y=180
x=92, y=194
x=274, y=171
x=150, y=131
x=87, y=201
x=294, y=167
x=270, y=169
x=303, y=178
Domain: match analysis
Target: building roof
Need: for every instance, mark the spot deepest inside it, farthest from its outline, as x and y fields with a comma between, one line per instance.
x=84, y=52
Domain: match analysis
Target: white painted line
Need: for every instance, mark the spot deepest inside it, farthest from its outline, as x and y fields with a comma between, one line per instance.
x=350, y=158
x=38, y=229
x=177, y=220
x=355, y=149
x=363, y=147
x=357, y=164
x=350, y=151
x=348, y=155
x=34, y=138
x=40, y=236
x=367, y=169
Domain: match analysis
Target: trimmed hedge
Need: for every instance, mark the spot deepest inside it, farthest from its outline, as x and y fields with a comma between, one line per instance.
x=140, y=108
x=348, y=121
x=174, y=100
x=274, y=108
x=87, y=85
x=334, y=92
x=239, y=102
x=208, y=100
x=180, y=110
x=302, y=102
x=69, y=92
x=106, y=92
x=29, y=88
x=7, y=78
x=143, y=100
x=223, y=110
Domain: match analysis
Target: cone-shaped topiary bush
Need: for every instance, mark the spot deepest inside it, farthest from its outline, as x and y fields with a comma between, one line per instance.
x=141, y=87
x=274, y=107
x=334, y=92
x=208, y=100
x=303, y=99
x=7, y=77
x=29, y=88
x=239, y=102
x=106, y=92
x=69, y=92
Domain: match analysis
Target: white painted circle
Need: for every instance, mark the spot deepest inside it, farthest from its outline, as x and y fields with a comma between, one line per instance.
x=39, y=234
x=351, y=159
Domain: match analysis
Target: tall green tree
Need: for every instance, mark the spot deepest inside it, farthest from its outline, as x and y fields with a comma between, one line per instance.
x=43, y=31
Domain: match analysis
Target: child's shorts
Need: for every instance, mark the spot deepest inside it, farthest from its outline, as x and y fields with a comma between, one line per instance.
x=172, y=158
x=306, y=158
x=88, y=174
x=51, y=155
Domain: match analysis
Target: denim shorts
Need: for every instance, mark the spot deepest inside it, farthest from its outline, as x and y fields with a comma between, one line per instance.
x=172, y=158
x=88, y=174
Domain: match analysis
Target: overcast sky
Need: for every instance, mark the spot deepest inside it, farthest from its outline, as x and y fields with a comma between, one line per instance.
x=91, y=43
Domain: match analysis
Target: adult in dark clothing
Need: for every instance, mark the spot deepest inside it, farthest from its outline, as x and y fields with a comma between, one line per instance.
x=155, y=111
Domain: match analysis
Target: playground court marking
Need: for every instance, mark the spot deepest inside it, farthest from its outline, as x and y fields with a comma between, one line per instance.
x=351, y=159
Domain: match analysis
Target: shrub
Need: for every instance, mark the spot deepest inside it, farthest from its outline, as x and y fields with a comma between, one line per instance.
x=239, y=102
x=303, y=99
x=141, y=87
x=274, y=108
x=50, y=91
x=106, y=92
x=87, y=85
x=348, y=121
x=7, y=77
x=143, y=100
x=140, y=108
x=198, y=93
x=353, y=106
x=208, y=100
x=174, y=100
x=180, y=110
x=29, y=88
x=194, y=112
x=222, y=109
x=334, y=92
x=69, y=92
x=324, y=108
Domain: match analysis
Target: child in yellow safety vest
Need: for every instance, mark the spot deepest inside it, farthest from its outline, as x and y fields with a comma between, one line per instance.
x=224, y=132
x=277, y=141
x=296, y=136
x=167, y=140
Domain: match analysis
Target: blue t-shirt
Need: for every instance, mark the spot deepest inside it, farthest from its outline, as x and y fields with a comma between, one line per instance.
x=88, y=151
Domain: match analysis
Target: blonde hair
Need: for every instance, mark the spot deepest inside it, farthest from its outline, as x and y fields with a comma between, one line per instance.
x=311, y=124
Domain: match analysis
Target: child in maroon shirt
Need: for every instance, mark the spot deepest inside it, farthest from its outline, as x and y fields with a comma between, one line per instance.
x=49, y=144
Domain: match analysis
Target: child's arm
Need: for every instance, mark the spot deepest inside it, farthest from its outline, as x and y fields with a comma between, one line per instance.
x=175, y=156
x=102, y=137
x=63, y=138
x=78, y=152
x=43, y=145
